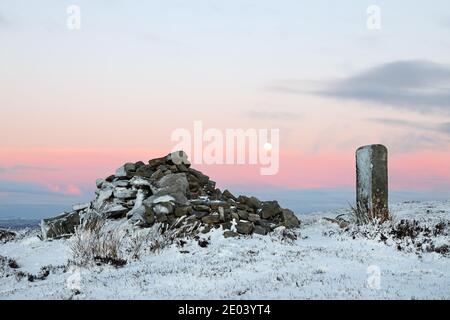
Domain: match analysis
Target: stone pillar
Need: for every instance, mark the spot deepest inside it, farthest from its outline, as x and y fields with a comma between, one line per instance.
x=372, y=181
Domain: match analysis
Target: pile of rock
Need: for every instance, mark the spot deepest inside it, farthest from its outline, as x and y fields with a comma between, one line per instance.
x=167, y=190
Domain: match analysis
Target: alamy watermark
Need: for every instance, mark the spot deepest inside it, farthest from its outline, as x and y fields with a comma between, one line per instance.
x=73, y=21
x=373, y=21
x=374, y=278
x=231, y=146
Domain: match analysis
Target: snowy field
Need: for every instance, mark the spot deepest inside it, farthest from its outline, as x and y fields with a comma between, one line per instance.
x=324, y=262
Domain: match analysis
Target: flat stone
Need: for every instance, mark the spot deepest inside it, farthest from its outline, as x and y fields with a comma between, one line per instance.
x=227, y=194
x=99, y=183
x=175, y=185
x=115, y=212
x=270, y=209
x=124, y=193
x=163, y=208
x=121, y=183
x=260, y=230
x=145, y=171
x=289, y=219
x=178, y=158
x=211, y=219
x=244, y=227
x=253, y=217
x=139, y=182
x=202, y=179
x=226, y=225
x=230, y=234
x=60, y=226
x=201, y=207
x=157, y=162
x=182, y=211
x=81, y=206
x=127, y=170
x=200, y=214
x=243, y=214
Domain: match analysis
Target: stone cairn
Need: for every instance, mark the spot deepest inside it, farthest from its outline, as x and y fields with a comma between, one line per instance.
x=168, y=191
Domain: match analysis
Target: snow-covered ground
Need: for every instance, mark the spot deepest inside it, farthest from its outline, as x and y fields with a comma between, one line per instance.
x=324, y=262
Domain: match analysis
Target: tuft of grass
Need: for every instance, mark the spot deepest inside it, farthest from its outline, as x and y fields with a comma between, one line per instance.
x=92, y=244
x=364, y=215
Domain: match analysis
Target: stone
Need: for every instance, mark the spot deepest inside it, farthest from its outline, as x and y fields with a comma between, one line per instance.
x=270, y=209
x=200, y=214
x=242, y=206
x=211, y=219
x=127, y=170
x=210, y=186
x=142, y=216
x=230, y=234
x=254, y=203
x=250, y=202
x=201, y=207
x=183, y=211
x=140, y=182
x=253, y=217
x=158, y=174
x=289, y=219
x=201, y=178
x=174, y=185
x=116, y=211
x=6, y=236
x=60, y=226
x=104, y=195
x=258, y=229
x=110, y=178
x=99, y=183
x=217, y=204
x=266, y=224
x=144, y=171
x=81, y=206
x=121, y=183
x=182, y=168
x=226, y=225
x=178, y=158
x=372, y=181
x=163, y=208
x=139, y=165
x=228, y=195
x=244, y=227
x=243, y=214
x=124, y=193
x=157, y=162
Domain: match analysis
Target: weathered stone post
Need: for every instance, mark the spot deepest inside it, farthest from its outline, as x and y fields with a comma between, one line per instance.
x=372, y=183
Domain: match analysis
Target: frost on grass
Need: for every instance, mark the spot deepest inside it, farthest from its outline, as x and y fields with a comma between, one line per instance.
x=322, y=260
x=98, y=242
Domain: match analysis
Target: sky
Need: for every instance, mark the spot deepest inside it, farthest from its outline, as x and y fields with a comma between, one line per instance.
x=76, y=104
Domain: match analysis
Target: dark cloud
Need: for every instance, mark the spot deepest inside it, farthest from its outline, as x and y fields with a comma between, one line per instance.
x=415, y=85
x=443, y=127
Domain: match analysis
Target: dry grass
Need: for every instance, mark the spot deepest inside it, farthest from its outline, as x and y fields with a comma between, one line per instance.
x=91, y=243
x=364, y=215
